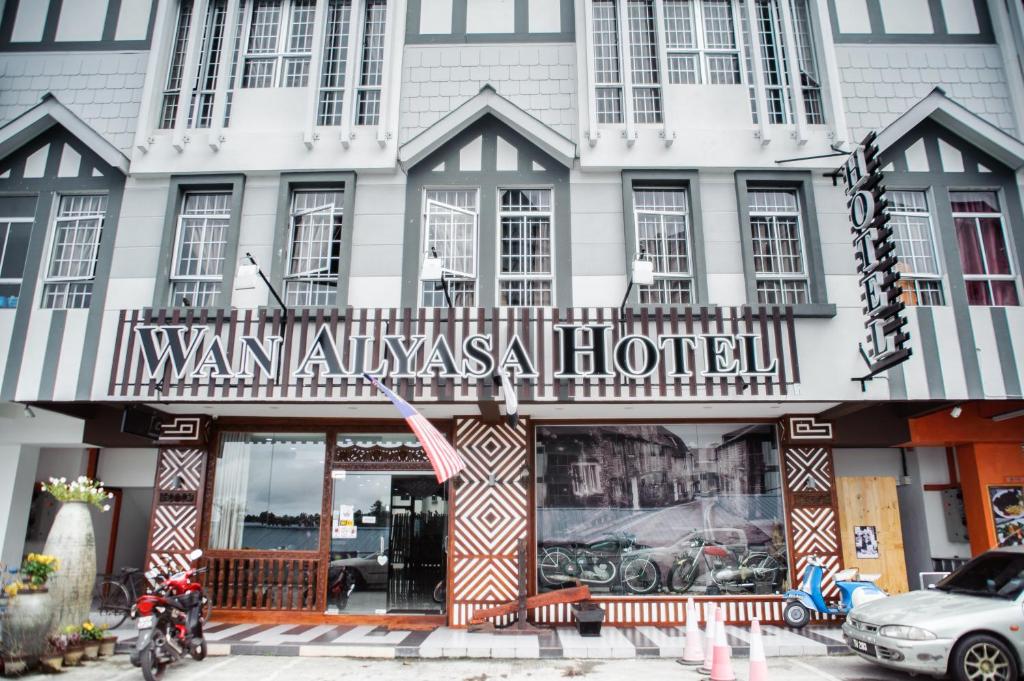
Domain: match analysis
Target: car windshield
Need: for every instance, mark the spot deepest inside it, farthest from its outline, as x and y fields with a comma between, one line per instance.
x=993, y=575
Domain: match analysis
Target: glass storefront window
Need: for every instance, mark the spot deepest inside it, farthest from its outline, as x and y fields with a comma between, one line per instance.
x=267, y=492
x=660, y=509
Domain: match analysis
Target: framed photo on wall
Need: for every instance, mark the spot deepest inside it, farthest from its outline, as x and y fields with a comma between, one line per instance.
x=865, y=539
x=1007, y=505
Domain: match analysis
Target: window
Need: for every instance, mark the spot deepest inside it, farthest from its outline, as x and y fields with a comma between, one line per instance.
x=451, y=220
x=645, y=501
x=661, y=216
x=984, y=255
x=335, y=59
x=918, y=261
x=280, y=44
x=198, y=268
x=607, y=66
x=643, y=47
x=525, y=275
x=267, y=492
x=372, y=70
x=14, y=237
x=776, y=66
x=700, y=38
x=777, y=244
x=210, y=56
x=172, y=88
x=810, y=82
x=75, y=249
x=314, y=251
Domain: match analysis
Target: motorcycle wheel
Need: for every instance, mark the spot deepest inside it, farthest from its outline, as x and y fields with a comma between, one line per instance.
x=796, y=615
x=554, y=567
x=152, y=667
x=198, y=651
x=640, y=576
x=439, y=592
x=682, y=577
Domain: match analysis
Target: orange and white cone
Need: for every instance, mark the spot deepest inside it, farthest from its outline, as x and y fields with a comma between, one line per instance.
x=709, y=641
x=758, y=662
x=721, y=664
x=693, y=654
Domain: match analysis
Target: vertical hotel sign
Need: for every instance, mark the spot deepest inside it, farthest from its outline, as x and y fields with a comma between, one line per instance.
x=875, y=249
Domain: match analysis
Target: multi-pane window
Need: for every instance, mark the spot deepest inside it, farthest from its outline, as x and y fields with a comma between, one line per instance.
x=451, y=221
x=607, y=63
x=280, y=44
x=918, y=260
x=74, y=251
x=780, y=266
x=810, y=81
x=198, y=269
x=335, y=60
x=525, y=273
x=211, y=55
x=14, y=236
x=172, y=86
x=371, y=72
x=984, y=254
x=662, y=223
x=314, y=250
x=643, y=48
x=775, y=61
x=701, y=42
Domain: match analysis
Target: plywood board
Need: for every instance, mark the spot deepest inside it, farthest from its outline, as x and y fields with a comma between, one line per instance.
x=872, y=502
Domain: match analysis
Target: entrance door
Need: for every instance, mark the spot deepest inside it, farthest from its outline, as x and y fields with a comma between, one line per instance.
x=387, y=543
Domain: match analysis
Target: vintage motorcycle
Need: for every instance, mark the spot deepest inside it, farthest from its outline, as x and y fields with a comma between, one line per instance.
x=599, y=563
x=170, y=620
x=726, y=573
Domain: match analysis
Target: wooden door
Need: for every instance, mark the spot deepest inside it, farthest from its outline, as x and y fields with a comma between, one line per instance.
x=866, y=503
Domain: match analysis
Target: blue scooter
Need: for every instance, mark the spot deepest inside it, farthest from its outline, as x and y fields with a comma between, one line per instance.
x=852, y=591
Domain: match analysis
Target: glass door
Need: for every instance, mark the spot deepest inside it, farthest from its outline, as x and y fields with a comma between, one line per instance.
x=387, y=543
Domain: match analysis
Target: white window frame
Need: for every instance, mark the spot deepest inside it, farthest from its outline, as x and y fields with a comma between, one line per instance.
x=700, y=49
x=805, y=275
x=583, y=474
x=20, y=281
x=687, y=276
x=291, y=277
x=987, y=278
x=346, y=37
x=281, y=54
x=178, y=39
x=550, y=215
x=451, y=276
x=175, y=276
x=359, y=88
x=51, y=281
x=936, y=277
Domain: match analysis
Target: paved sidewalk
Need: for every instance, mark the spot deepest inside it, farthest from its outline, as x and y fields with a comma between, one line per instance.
x=327, y=640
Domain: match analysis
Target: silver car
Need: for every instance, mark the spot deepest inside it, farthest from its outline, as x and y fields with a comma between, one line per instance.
x=968, y=626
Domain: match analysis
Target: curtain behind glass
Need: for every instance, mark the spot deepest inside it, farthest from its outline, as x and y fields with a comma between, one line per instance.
x=229, y=492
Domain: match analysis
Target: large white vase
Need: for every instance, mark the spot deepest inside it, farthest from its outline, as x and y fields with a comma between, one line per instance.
x=72, y=541
x=28, y=622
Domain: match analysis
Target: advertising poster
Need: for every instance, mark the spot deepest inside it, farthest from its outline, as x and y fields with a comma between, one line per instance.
x=1008, y=514
x=865, y=539
x=344, y=526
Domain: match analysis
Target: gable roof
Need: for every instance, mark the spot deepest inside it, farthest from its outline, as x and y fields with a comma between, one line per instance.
x=957, y=119
x=43, y=116
x=487, y=101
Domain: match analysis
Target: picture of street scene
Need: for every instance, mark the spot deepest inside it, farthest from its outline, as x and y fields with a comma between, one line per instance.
x=660, y=509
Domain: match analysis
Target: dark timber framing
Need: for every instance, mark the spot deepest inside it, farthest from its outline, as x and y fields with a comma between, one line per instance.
x=941, y=33
x=519, y=34
x=344, y=181
x=49, y=42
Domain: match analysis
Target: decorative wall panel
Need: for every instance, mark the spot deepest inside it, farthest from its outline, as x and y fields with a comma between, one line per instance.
x=491, y=515
x=178, y=498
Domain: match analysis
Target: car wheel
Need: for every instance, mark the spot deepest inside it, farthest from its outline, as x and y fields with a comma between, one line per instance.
x=983, y=658
x=796, y=615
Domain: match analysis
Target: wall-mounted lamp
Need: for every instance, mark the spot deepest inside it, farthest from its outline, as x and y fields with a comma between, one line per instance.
x=956, y=411
x=432, y=270
x=641, y=274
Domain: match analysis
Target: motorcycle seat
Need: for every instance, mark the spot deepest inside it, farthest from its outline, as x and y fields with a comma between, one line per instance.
x=865, y=577
x=847, y=575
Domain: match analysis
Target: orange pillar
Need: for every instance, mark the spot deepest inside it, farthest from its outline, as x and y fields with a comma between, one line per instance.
x=983, y=464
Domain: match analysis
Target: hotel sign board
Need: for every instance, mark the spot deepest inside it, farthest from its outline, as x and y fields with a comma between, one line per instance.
x=880, y=289
x=591, y=354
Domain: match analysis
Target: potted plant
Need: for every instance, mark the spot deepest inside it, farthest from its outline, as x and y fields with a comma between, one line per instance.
x=29, y=612
x=52, y=658
x=92, y=635
x=72, y=541
x=109, y=642
x=74, y=650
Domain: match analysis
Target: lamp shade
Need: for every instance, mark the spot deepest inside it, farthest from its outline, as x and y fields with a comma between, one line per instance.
x=430, y=270
x=245, y=277
x=643, y=273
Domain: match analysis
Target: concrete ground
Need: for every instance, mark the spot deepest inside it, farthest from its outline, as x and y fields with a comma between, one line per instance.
x=257, y=668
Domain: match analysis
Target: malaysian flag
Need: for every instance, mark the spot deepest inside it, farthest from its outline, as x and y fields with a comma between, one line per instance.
x=443, y=457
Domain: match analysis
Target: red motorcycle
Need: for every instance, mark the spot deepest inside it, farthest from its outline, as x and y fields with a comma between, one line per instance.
x=170, y=621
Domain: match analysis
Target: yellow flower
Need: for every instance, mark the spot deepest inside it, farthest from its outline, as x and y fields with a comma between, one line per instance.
x=87, y=626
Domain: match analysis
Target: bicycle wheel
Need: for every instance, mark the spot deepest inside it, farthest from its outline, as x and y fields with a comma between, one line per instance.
x=682, y=577
x=640, y=576
x=110, y=604
x=555, y=567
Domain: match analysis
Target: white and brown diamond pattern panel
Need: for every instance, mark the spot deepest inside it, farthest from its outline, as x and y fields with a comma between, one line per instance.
x=809, y=469
x=806, y=429
x=174, y=530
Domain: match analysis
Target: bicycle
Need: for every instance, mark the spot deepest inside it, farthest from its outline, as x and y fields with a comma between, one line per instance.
x=113, y=597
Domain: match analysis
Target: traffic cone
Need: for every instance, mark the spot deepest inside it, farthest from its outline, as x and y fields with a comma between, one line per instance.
x=709, y=641
x=693, y=654
x=721, y=664
x=758, y=662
